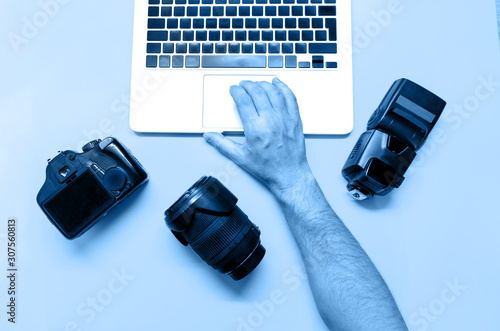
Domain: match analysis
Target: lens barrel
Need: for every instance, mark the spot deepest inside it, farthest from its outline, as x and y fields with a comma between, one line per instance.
x=206, y=218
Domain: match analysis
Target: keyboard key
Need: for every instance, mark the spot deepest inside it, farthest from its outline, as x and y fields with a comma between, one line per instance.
x=218, y=11
x=221, y=2
x=310, y=10
x=153, y=48
x=214, y=35
x=192, y=61
x=175, y=35
x=185, y=23
x=233, y=61
x=250, y=23
x=280, y=35
x=172, y=23
x=297, y=11
x=192, y=11
x=274, y=48
x=300, y=48
x=331, y=25
x=234, y=48
x=156, y=23
x=205, y=11
x=330, y=1
x=154, y=11
x=198, y=23
x=167, y=2
x=151, y=61
x=207, y=47
x=227, y=35
x=247, y=48
x=316, y=1
x=290, y=61
x=263, y=2
x=260, y=48
x=166, y=11
x=270, y=10
x=284, y=11
x=287, y=48
x=207, y=2
x=211, y=23
x=332, y=65
x=244, y=11
x=180, y=2
x=181, y=48
x=254, y=35
x=237, y=23
x=240, y=35
x=220, y=48
x=188, y=35
x=304, y=65
x=224, y=23
x=201, y=35
x=317, y=61
x=247, y=2
x=327, y=11
x=307, y=35
x=289, y=1
x=257, y=11
x=275, y=61
x=290, y=23
x=168, y=47
x=179, y=10
x=325, y=48
x=194, y=2
x=277, y=23
x=194, y=47
x=264, y=23
x=320, y=35
x=231, y=11
x=234, y=2
x=275, y=1
x=302, y=1
x=154, y=2
x=157, y=35
x=294, y=35
x=304, y=23
x=317, y=23
x=164, y=61
x=177, y=61
x=267, y=35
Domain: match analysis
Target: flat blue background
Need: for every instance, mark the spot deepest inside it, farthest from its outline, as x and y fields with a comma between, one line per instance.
x=70, y=84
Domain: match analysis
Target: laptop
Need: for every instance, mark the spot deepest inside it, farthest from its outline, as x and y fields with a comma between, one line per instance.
x=187, y=53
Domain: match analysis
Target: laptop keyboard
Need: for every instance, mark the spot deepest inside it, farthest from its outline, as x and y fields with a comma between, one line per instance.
x=241, y=34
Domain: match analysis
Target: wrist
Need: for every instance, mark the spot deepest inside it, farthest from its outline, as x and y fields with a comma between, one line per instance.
x=295, y=183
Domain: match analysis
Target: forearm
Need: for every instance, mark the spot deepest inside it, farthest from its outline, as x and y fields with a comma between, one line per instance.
x=348, y=289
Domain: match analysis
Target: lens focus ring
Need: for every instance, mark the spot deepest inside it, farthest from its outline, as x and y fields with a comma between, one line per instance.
x=228, y=229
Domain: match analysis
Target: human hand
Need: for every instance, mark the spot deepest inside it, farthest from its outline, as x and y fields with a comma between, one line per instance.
x=274, y=147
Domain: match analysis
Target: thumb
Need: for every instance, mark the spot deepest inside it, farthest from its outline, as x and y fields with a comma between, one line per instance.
x=225, y=146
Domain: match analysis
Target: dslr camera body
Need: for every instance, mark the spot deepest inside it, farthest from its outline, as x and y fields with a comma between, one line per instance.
x=81, y=188
x=395, y=131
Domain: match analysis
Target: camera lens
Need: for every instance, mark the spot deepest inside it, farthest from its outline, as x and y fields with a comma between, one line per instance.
x=206, y=218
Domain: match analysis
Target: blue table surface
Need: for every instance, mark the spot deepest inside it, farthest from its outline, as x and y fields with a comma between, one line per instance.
x=434, y=240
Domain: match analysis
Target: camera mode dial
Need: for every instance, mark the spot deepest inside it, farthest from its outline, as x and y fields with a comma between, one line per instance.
x=91, y=144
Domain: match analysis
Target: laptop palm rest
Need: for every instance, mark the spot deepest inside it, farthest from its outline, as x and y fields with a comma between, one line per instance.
x=219, y=109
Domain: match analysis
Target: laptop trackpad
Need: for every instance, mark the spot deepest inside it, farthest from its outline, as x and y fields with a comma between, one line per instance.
x=219, y=109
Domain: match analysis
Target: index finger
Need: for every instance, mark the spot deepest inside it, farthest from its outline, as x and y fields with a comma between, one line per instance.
x=244, y=105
